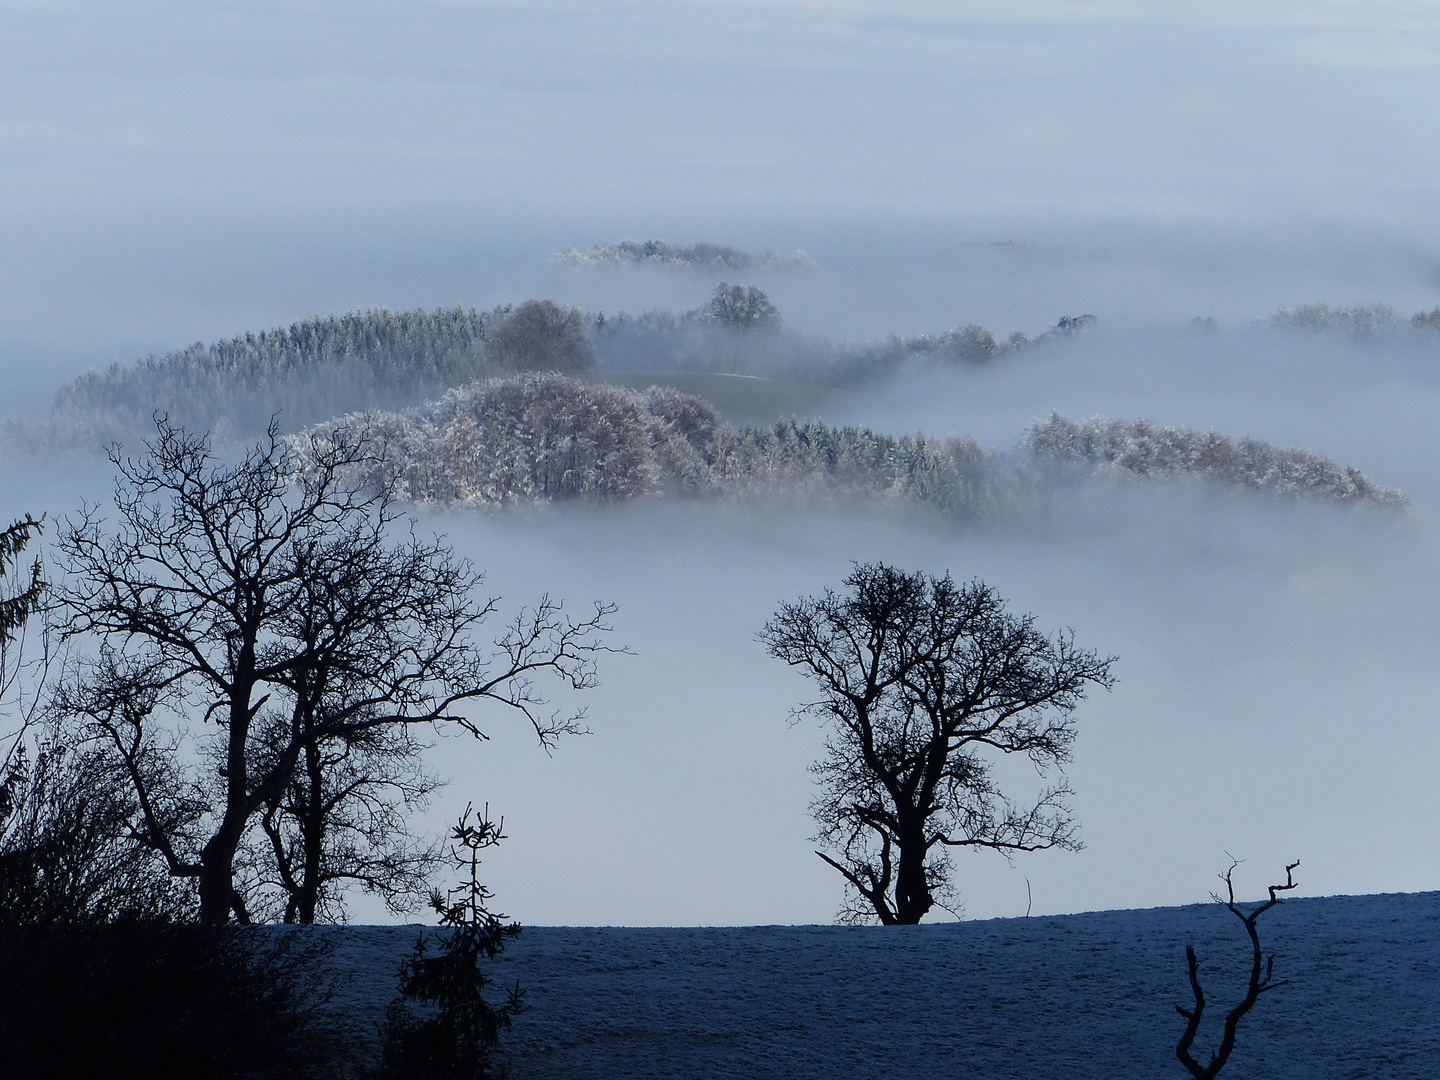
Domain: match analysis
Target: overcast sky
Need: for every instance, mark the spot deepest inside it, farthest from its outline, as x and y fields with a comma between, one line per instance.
x=172, y=172
x=179, y=171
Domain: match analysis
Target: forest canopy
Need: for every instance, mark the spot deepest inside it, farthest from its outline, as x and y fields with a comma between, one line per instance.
x=484, y=409
x=322, y=367
x=546, y=437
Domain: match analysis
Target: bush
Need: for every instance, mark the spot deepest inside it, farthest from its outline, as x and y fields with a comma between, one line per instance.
x=67, y=856
x=157, y=1000
x=100, y=974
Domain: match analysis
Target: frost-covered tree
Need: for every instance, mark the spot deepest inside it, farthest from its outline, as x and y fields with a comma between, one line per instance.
x=1143, y=449
x=701, y=256
x=1360, y=320
x=323, y=367
x=546, y=437
x=920, y=684
x=303, y=373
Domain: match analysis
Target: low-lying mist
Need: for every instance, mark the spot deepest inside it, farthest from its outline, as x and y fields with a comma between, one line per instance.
x=1274, y=652
x=1272, y=701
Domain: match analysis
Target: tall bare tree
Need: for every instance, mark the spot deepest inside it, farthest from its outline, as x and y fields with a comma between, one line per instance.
x=272, y=586
x=921, y=681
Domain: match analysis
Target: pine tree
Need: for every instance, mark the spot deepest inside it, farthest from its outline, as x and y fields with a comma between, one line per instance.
x=453, y=1037
x=17, y=604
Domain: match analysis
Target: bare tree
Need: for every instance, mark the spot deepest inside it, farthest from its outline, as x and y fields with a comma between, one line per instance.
x=271, y=586
x=344, y=820
x=741, y=307
x=1262, y=978
x=919, y=680
x=540, y=335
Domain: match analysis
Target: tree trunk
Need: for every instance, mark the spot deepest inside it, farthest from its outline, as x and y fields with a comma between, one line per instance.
x=217, y=878
x=217, y=875
x=912, y=893
x=312, y=829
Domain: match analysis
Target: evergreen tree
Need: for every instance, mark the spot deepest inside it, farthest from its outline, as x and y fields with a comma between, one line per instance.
x=453, y=1038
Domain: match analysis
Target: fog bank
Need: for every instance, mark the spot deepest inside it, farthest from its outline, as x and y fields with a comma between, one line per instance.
x=1272, y=702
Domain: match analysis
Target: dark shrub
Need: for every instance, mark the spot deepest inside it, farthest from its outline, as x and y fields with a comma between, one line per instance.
x=157, y=1000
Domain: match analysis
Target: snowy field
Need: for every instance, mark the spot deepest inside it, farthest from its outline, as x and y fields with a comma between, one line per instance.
x=1079, y=997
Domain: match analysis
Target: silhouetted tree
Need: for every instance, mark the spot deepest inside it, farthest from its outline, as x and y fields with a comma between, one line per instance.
x=96, y=976
x=343, y=820
x=454, y=1041
x=271, y=586
x=1262, y=979
x=540, y=335
x=969, y=344
x=919, y=680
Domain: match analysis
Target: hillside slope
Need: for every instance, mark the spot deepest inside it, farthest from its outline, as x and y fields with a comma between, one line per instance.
x=1079, y=997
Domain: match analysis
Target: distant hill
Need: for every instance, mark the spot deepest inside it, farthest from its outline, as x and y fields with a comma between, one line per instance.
x=1074, y=997
x=549, y=438
x=318, y=368
x=330, y=365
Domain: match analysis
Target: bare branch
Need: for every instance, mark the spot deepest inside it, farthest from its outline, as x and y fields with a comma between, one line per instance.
x=1262, y=971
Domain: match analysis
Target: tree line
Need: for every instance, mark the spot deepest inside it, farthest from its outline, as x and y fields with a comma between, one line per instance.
x=1140, y=449
x=313, y=370
x=1358, y=320
x=323, y=367
x=739, y=332
x=544, y=437
x=702, y=256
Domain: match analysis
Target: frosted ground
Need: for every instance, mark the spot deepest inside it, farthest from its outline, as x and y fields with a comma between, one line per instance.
x=1083, y=997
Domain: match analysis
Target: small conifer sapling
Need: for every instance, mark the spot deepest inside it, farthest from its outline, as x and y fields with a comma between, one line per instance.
x=451, y=1037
